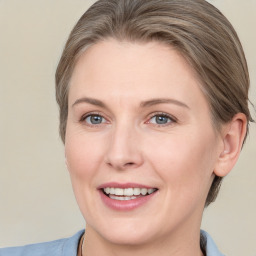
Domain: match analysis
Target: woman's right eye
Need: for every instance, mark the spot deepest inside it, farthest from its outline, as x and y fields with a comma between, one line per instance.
x=94, y=119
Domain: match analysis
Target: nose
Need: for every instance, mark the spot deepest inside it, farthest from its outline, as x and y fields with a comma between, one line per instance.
x=124, y=151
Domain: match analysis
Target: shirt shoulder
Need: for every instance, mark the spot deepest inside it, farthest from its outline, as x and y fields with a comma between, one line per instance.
x=61, y=247
x=209, y=246
x=68, y=247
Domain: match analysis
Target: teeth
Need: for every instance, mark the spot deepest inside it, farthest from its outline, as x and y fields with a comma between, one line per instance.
x=119, y=192
x=122, y=198
x=136, y=191
x=128, y=192
x=150, y=191
x=144, y=191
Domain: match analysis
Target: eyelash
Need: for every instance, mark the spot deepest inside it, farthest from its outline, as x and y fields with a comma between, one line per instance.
x=171, y=121
x=84, y=117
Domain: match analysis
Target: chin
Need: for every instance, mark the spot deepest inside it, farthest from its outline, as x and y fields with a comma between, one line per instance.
x=125, y=232
x=123, y=237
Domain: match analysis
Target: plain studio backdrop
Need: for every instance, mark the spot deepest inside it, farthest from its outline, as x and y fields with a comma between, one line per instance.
x=37, y=202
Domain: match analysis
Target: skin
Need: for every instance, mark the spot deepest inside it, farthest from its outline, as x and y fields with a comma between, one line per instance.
x=178, y=157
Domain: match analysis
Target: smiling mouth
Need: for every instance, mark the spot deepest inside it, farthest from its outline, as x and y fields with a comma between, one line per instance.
x=127, y=193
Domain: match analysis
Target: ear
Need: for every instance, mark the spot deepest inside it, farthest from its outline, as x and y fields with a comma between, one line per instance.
x=233, y=135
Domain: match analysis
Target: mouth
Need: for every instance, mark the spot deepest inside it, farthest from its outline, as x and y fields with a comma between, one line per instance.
x=131, y=193
x=126, y=197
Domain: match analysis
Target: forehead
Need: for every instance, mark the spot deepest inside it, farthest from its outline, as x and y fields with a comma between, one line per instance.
x=134, y=70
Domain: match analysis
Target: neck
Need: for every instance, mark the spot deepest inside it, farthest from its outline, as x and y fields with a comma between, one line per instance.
x=176, y=245
x=81, y=246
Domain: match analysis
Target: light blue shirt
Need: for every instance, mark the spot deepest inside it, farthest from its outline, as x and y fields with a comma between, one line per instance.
x=68, y=247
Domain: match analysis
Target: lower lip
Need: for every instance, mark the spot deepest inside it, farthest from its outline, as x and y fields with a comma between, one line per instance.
x=125, y=205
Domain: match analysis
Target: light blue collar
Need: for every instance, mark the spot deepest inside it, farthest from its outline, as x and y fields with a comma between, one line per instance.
x=70, y=244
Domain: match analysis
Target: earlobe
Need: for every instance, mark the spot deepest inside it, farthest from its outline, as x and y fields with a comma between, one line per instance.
x=233, y=136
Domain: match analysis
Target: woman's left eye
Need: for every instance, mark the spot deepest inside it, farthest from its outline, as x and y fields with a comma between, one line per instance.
x=94, y=119
x=161, y=119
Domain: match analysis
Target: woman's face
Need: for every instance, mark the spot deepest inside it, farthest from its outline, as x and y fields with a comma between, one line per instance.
x=140, y=145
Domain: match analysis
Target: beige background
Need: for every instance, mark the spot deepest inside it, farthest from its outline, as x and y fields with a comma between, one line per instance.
x=36, y=200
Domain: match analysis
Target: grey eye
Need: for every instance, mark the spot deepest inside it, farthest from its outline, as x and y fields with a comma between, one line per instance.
x=160, y=119
x=94, y=119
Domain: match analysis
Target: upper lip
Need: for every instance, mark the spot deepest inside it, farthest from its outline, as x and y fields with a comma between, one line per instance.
x=123, y=185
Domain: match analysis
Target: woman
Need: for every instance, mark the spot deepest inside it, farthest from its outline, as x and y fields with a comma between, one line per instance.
x=153, y=99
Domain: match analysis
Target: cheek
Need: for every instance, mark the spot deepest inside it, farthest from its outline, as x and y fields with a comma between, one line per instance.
x=185, y=162
x=83, y=154
x=83, y=157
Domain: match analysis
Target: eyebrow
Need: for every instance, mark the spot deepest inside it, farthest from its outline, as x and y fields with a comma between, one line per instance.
x=90, y=101
x=156, y=101
x=147, y=103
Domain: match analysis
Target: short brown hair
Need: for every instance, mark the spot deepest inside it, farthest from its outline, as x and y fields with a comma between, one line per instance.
x=195, y=28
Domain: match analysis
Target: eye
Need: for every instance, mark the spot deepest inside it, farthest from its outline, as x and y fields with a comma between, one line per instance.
x=161, y=119
x=94, y=119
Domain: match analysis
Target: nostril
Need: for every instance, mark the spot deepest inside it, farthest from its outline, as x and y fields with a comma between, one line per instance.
x=129, y=164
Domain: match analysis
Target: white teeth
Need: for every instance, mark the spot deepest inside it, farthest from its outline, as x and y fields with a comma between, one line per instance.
x=119, y=192
x=122, y=198
x=144, y=191
x=128, y=192
x=136, y=191
x=150, y=191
